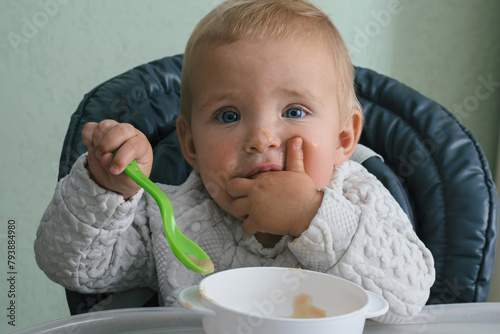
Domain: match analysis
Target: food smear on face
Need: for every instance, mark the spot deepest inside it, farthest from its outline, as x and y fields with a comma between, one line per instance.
x=202, y=263
x=304, y=309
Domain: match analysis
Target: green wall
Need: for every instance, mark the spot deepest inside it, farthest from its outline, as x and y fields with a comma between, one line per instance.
x=54, y=51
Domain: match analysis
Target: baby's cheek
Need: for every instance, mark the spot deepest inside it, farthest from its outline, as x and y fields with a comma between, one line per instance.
x=217, y=169
x=216, y=186
x=213, y=183
x=318, y=164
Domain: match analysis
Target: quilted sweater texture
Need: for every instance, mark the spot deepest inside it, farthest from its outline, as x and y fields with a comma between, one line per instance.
x=92, y=240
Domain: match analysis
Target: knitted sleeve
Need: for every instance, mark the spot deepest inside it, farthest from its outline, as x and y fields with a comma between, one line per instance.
x=91, y=240
x=360, y=233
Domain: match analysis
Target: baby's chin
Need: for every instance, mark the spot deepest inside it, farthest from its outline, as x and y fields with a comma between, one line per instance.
x=222, y=199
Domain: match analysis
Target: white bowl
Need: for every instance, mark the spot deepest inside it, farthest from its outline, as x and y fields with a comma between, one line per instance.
x=261, y=300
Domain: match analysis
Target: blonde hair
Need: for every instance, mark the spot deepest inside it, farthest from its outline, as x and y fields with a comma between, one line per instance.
x=253, y=20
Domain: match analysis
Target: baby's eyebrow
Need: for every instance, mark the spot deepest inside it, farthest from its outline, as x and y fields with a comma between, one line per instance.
x=279, y=91
x=289, y=92
x=215, y=99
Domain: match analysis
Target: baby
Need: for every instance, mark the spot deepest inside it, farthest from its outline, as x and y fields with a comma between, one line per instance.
x=269, y=121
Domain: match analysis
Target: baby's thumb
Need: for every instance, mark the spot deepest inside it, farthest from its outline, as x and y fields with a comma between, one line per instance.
x=295, y=155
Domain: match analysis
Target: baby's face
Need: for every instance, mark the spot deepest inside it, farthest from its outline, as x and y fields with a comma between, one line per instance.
x=250, y=99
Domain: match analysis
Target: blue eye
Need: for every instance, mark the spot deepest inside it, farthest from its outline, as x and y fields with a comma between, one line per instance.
x=294, y=113
x=228, y=116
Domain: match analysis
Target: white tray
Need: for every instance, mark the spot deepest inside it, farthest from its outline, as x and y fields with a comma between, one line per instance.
x=477, y=318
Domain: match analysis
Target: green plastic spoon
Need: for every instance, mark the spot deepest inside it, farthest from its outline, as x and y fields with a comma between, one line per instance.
x=189, y=253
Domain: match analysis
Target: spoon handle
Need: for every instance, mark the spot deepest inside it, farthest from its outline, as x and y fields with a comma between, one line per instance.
x=166, y=209
x=135, y=173
x=188, y=252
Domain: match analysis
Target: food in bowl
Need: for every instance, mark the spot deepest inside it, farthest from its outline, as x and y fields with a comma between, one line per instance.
x=303, y=308
x=264, y=299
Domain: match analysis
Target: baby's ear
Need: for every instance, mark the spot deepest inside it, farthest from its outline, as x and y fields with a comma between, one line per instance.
x=187, y=143
x=349, y=137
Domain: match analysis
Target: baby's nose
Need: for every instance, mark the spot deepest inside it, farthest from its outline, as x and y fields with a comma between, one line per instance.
x=261, y=139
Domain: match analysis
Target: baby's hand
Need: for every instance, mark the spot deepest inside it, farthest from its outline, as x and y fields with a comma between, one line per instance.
x=102, y=139
x=282, y=203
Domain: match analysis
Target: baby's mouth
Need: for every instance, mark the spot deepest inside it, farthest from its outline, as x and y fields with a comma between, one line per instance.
x=266, y=167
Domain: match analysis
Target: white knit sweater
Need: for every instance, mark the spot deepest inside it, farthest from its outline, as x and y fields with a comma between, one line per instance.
x=92, y=240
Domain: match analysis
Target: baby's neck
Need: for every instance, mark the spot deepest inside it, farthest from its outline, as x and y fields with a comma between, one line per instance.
x=268, y=240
